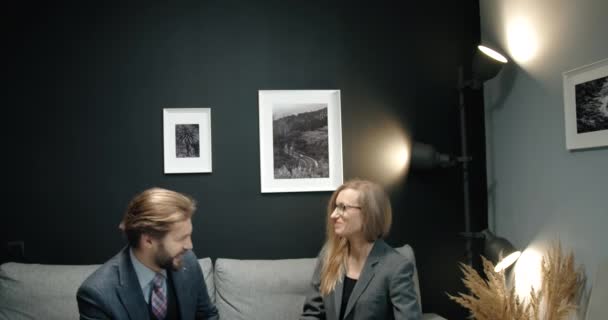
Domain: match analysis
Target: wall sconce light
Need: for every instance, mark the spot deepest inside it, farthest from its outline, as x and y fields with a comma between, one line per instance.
x=499, y=250
x=486, y=64
x=425, y=156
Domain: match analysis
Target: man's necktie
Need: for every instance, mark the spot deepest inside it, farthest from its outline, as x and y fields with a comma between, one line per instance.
x=158, y=299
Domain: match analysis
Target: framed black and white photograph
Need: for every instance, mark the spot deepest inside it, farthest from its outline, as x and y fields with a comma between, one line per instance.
x=187, y=140
x=586, y=106
x=300, y=140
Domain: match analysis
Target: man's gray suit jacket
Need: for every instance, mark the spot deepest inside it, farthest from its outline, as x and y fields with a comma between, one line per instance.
x=113, y=291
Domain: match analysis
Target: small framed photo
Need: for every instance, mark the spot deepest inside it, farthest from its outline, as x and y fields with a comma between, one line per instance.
x=586, y=106
x=300, y=140
x=187, y=140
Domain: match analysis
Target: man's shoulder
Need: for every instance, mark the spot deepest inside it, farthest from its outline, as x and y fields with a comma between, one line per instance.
x=190, y=259
x=106, y=276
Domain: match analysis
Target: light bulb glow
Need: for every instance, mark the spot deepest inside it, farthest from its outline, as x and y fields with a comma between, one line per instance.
x=506, y=262
x=493, y=54
x=395, y=155
x=522, y=40
x=383, y=150
x=401, y=156
x=528, y=272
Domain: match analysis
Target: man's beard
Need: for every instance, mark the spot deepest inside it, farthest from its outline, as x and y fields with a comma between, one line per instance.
x=167, y=262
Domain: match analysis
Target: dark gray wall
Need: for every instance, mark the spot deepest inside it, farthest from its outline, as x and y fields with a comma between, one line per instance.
x=83, y=121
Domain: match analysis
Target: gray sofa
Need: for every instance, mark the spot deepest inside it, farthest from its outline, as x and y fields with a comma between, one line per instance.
x=241, y=289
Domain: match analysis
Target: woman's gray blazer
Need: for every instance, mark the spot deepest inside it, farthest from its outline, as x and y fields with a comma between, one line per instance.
x=385, y=290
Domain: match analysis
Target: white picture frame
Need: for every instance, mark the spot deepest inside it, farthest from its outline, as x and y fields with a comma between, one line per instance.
x=306, y=156
x=187, y=140
x=586, y=106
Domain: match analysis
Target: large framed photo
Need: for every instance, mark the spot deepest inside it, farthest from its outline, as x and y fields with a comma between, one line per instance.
x=187, y=140
x=586, y=106
x=300, y=140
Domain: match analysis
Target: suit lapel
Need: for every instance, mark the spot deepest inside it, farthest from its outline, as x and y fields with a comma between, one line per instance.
x=129, y=290
x=338, y=296
x=367, y=274
x=183, y=297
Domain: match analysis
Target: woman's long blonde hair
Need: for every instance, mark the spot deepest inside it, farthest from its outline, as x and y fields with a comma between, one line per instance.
x=376, y=219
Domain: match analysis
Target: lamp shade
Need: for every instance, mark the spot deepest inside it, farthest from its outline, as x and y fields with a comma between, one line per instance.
x=499, y=250
x=487, y=63
x=425, y=156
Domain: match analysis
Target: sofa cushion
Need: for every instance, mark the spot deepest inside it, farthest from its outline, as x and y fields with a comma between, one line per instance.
x=269, y=289
x=35, y=291
x=262, y=289
x=207, y=267
x=407, y=251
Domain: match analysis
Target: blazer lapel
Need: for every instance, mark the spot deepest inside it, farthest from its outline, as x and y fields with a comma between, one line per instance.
x=338, y=296
x=130, y=291
x=367, y=274
x=183, y=298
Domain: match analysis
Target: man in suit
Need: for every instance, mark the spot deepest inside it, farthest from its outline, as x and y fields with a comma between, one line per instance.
x=156, y=276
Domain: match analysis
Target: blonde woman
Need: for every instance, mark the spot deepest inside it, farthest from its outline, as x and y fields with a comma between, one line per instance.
x=358, y=276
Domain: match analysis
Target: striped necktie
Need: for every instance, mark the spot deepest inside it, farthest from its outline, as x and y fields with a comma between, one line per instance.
x=158, y=298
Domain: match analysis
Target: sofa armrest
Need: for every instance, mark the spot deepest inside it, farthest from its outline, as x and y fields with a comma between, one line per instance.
x=432, y=316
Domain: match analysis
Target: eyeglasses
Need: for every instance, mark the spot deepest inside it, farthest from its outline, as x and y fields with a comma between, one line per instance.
x=342, y=208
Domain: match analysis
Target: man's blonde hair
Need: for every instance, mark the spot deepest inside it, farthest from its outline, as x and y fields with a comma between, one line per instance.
x=153, y=212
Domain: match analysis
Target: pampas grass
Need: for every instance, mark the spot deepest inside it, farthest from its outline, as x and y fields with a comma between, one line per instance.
x=490, y=299
x=561, y=283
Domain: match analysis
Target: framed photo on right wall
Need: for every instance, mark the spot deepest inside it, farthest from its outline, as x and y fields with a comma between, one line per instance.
x=586, y=106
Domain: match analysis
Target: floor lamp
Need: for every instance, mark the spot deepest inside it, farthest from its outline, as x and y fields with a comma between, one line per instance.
x=485, y=66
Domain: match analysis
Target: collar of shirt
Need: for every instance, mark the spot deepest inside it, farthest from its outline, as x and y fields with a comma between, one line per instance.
x=145, y=276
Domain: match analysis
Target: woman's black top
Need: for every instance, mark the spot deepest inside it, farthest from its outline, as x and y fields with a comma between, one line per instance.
x=349, y=284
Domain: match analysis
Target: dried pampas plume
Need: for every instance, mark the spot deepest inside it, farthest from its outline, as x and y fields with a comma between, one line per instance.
x=561, y=284
x=490, y=299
